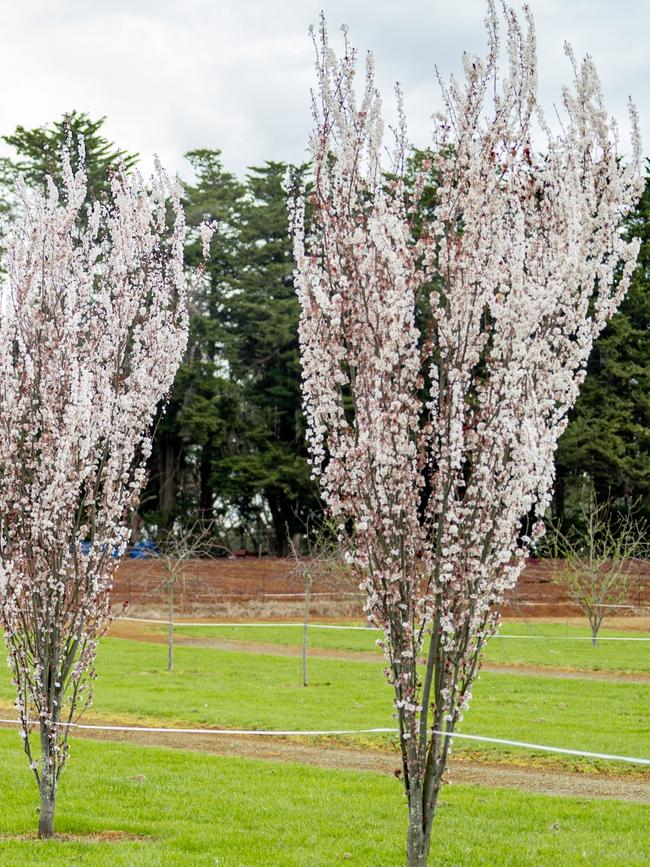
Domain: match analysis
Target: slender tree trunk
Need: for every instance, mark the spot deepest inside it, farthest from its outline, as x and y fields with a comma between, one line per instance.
x=46, y=816
x=305, y=633
x=170, y=643
x=422, y=793
x=47, y=788
x=417, y=848
x=421, y=816
x=595, y=629
x=168, y=457
x=281, y=515
x=559, y=495
x=206, y=495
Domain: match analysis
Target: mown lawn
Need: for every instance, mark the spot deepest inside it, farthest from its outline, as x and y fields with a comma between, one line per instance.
x=212, y=687
x=185, y=808
x=532, y=643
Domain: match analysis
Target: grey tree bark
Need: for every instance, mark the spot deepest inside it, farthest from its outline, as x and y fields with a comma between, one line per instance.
x=47, y=787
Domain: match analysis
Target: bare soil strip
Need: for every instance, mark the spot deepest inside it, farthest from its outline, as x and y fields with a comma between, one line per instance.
x=570, y=673
x=97, y=837
x=335, y=757
x=134, y=632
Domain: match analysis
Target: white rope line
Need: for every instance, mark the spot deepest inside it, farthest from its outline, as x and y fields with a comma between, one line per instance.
x=334, y=732
x=233, y=625
x=263, y=732
x=576, y=637
x=288, y=595
x=548, y=749
x=250, y=625
x=513, y=603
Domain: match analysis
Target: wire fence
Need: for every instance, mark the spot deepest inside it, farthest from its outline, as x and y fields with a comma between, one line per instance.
x=280, y=625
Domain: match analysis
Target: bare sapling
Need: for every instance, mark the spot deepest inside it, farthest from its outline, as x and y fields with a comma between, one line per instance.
x=177, y=551
x=434, y=443
x=595, y=561
x=322, y=566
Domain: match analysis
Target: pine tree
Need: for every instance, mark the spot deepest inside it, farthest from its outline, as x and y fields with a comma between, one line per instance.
x=194, y=433
x=608, y=438
x=38, y=151
x=262, y=352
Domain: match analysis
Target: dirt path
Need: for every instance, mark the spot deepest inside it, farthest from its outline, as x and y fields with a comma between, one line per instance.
x=336, y=757
x=570, y=673
x=125, y=629
x=134, y=632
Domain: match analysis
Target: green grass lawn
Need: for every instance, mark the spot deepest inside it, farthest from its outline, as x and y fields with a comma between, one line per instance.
x=548, y=644
x=211, y=687
x=185, y=808
x=542, y=644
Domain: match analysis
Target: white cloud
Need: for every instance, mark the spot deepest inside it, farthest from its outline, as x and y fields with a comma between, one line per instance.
x=172, y=76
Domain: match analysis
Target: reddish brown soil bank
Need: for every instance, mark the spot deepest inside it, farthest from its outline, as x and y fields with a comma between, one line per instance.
x=277, y=584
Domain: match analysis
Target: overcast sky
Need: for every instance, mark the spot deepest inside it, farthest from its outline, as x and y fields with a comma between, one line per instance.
x=235, y=74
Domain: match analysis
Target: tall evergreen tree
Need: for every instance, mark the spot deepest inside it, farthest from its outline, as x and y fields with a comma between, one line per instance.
x=233, y=435
x=262, y=350
x=38, y=151
x=194, y=433
x=608, y=437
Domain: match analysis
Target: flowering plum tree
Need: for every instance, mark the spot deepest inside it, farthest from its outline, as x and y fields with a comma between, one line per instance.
x=434, y=444
x=93, y=324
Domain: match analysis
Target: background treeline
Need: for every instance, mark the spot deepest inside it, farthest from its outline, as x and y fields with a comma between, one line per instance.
x=230, y=447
